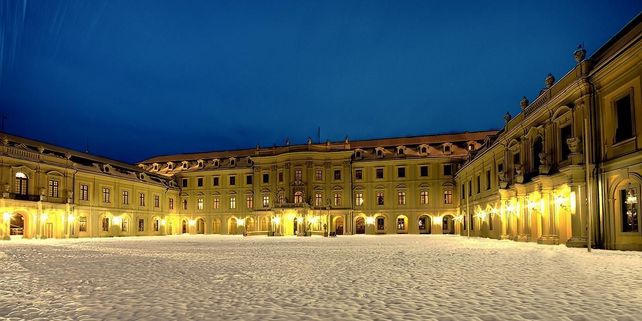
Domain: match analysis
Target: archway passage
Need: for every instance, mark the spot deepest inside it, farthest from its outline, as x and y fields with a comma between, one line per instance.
x=17, y=225
x=360, y=225
x=424, y=224
x=200, y=226
x=338, y=226
x=448, y=226
x=184, y=225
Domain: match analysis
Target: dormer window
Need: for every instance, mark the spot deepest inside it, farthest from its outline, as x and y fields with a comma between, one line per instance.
x=447, y=149
x=401, y=150
x=155, y=166
x=185, y=164
x=217, y=163
x=170, y=165
x=358, y=154
x=232, y=162
x=423, y=149
x=380, y=152
x=106, y=168
x=141, y=176
x=471, y=147
x=201, y=163
x=249, y=161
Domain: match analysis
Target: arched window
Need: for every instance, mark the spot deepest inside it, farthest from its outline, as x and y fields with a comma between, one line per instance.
x=298, y=197
x=21, y=183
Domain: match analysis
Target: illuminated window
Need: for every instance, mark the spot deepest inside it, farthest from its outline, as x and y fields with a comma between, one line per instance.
x=249, y=201
x=629, y=209
x=84, y=192
x=281, y=196
x=318, y=174
x=401, y=198
x=358, y=199
x=141, y=225
x=200, y=204
x=125, y=197
x=232, y=201
x=448, y=197
x=401, y=224
x=141, y=199
x=381, y=223
x=53, y=188
x=380, y=198
x=298, y=197
x=266, y=201
x=337, y=199
x=156, y=201
x=423, y=197
x=318, y=199
x=105, y=224
x=216, y=202
x=171, y=203
x=106, y=194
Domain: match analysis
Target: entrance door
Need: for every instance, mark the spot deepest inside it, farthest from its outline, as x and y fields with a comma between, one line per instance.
x=360, y=225
x=339, y=226
x=184, y=226
x=448, y=227
x=17, y=225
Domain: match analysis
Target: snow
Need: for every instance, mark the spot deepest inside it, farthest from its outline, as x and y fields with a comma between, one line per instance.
x=410, y=277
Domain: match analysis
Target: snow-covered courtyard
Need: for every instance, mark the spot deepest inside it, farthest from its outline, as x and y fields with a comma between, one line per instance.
x=409, y=277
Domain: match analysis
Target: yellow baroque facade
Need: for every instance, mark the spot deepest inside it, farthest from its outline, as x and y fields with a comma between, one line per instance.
x=566, y=170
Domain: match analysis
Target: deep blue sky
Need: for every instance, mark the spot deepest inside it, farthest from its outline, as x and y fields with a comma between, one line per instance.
x=133, y=79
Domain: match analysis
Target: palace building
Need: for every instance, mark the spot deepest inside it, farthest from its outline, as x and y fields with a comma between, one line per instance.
x=566, y=170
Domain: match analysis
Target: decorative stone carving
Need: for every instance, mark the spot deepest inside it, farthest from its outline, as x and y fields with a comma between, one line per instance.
x=575, y=147
x=545, y=163
x=549, y=81
x=507, y=117
x=519, y=173
x=41, y=149
x=524, y=103
x=579, y=54
x=5, y=140
x=503, y=180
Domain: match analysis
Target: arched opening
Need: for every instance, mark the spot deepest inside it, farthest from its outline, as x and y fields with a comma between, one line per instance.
x=338, y=225
x=425, y=224
x=360, y=225
x=380, y=224
x=298, y=197
x=447, y=225
x=232, y=226
x=402, y=224
x=216, y=226
x=250, y=225
x=184, y=226
x=200, y=226
x=17, y=225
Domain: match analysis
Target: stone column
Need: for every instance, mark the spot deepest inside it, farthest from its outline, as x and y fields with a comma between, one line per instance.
x=549, y=230
x=578, y=219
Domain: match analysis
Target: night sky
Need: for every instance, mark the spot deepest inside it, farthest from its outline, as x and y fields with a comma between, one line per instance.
x=134, y=79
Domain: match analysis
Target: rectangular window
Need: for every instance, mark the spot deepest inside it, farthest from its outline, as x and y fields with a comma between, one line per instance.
x=105, y=224
x=318, y=174
x=125, y=197
x=281, y=197
x=266, y=178
x=517, y=158
x=380, y=198
x=82, y=224
x=358, y=174
x=463, y=191
x=478, y=184
x=500, y=167
x=141, y=225
x=401, y=198
x=337, y=199
x=200, y=203
x=215, y=181
x=53, y=188
x=141, y=199
x=448, y=197
x=629, y=211
x=185, y=204
x=358, y=199
x=156, y=201
x=423, y=197
x=232, y=180
x=337, y=174
x=488, y=179
x=423, y=171
x=470, y=188
x=318, y=199
x=248, y=180
x=232, y=202
x=280, y=177
x=171, y=203
x=379, y=173
x=249, y=201
x=106, y=195
x=448, y=170
x=184, y=182
x=624, y=118
x=565, y=133
x=156, y=225
x=298, y=175
x=84, y=192
x=199, y=182
x=217, y=202
x=266, y=201
x=401, y=172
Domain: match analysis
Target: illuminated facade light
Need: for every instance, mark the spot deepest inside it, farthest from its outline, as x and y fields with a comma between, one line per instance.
x=370, y=220
x=6, y=216
x=117, y=220
x=276, y=220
